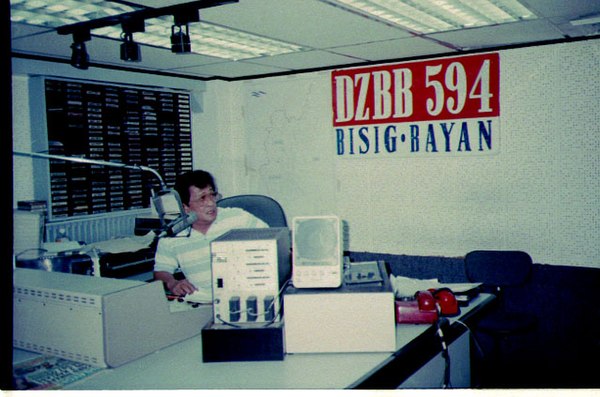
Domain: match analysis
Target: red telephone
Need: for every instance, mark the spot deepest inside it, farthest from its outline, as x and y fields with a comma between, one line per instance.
x=426, y=307
x=418, y=310
x=446, y=300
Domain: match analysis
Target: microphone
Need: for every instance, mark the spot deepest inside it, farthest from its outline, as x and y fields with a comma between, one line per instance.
x=179, y=224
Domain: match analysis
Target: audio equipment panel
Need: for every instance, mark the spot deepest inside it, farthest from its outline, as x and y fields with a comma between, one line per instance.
x=249, y=268
x=318, y=252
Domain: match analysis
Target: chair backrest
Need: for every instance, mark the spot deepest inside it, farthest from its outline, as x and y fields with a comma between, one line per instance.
x=262, y=207
x=498, y=268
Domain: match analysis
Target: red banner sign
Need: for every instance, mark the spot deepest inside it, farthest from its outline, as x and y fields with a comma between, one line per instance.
x=463, y=87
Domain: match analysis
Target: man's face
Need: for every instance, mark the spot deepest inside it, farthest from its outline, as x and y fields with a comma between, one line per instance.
x=204, y=203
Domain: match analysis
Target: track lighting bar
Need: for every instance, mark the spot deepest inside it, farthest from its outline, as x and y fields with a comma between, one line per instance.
x=140, y=15
x=108, y=20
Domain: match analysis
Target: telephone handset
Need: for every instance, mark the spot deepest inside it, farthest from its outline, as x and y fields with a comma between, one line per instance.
x=420, y=309
x=426, y=306
x=444, y=297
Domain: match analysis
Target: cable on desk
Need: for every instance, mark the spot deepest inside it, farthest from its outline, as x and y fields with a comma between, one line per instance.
x=227, y=322
x=473, y=338
x=280, y=298
x=446, y=355
x=275, y=316
x=268, y=309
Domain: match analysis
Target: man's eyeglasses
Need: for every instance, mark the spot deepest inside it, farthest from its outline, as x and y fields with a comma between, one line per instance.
x=206, y=197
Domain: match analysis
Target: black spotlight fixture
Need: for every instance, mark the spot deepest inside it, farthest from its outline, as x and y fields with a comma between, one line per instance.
x=180, y=39
x=130, y=50
x=180, y=31
x=132, y=22
x=79, y=56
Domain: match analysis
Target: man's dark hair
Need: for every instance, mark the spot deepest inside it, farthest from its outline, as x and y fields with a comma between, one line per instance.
x=198, y=178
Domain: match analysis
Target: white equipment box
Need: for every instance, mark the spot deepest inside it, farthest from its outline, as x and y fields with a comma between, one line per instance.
x=249, y=267
x=95, y=320
x=357, y=317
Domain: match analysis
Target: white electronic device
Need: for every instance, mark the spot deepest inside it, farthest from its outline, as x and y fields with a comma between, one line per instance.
x=318, y=252
x=249, y=268
x=357, y=317
x=100, y=321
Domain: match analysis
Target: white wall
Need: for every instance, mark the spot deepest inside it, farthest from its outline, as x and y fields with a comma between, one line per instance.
x=275, y=136
x=540, y=193
x=219, y=138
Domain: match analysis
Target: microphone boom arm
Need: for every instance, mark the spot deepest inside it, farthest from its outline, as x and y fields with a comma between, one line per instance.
x=84, y=160
x=156, y=197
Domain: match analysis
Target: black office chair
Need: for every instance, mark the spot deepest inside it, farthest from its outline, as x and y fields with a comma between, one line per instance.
x=262, y=207
x=500, y=271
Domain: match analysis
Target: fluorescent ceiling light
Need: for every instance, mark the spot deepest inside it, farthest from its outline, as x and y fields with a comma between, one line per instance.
x=206, y=38
x=587, y=20
x=432, y=16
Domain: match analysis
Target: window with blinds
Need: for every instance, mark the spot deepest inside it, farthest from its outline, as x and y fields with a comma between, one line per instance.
x=117, y=124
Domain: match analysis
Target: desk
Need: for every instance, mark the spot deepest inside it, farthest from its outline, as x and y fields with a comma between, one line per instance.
x=180, y=366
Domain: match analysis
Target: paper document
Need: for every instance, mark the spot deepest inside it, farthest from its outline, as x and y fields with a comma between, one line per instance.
x=123, y=244
x=406, y=286
x=201, y=297
x=64, y=246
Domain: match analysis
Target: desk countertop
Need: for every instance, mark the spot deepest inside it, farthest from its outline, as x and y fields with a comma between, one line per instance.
x=180, y=366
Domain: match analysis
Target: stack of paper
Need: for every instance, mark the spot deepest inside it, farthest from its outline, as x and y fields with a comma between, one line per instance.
x=408, y=287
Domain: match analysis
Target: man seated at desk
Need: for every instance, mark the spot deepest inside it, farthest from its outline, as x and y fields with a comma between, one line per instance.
x=190, y=249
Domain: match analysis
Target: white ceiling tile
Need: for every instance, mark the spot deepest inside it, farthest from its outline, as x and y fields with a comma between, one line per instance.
x=307, y=60
x=305, y=22
x=394, y=49
x=501, y=35
x=233, y=69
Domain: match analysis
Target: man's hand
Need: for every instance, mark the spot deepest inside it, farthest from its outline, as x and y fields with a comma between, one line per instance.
x=176, y=287
x=181, y=287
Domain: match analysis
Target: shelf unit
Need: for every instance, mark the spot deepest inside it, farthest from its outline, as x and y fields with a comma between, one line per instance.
x=132, y=125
